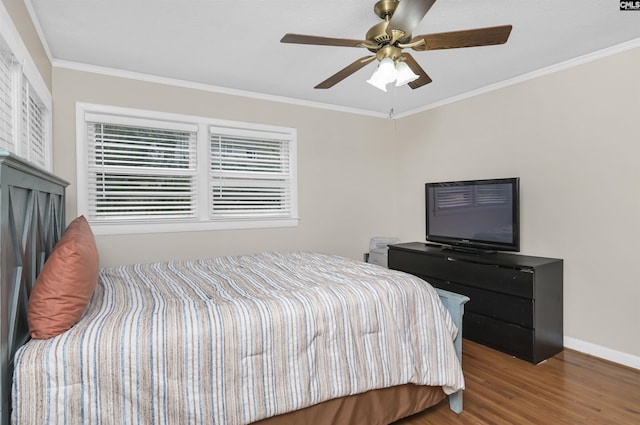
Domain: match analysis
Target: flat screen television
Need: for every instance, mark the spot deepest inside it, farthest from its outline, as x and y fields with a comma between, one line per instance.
x=478, y=215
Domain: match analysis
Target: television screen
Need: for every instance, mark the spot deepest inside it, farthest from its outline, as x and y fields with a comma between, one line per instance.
x=477, y=214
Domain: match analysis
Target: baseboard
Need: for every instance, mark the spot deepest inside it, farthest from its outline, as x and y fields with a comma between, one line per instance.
x=603, y=352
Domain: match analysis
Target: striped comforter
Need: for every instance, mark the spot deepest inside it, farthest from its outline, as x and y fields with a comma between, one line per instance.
x=233, y=340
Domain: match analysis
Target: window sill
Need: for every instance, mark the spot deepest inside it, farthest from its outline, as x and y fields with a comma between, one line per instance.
x=147, y=227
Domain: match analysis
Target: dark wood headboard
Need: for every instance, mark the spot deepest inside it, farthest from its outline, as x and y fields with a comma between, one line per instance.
x=32, y=219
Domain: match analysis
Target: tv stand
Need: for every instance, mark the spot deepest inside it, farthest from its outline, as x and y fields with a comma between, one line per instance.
x=515, y=300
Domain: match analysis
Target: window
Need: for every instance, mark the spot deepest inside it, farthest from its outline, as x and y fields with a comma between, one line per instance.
x=140, y=172
x=25, y=100
x=34, y=145
x=250, y=176
x=6, y=100
x=143, y=171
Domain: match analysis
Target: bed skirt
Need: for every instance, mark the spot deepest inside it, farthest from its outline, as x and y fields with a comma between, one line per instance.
x=376, y=407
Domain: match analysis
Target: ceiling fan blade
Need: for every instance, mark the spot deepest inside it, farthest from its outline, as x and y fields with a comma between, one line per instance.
x=466, y=38
x=345, y=72
x=408, y=15
x=417, y=69
x=320, y=41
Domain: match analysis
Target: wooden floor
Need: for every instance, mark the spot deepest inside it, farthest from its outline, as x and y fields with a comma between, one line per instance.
x=570, y=388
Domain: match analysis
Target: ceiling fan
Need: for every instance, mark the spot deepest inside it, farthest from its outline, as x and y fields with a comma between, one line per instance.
x=387, y=39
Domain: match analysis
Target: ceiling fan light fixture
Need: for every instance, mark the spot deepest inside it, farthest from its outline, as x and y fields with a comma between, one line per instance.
x=386, y=71
x=377, y=83
x=384, y=74
x=405, y=74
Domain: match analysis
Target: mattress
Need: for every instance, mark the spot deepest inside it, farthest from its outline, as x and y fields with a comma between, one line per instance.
x=233, y=340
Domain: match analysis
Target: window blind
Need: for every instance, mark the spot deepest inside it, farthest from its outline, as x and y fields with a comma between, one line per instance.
x=6, y=100
x=24, y=115
x=32, y=128
x=250, y=177
x=141, y=173
x=148, y=171
x=37, y=141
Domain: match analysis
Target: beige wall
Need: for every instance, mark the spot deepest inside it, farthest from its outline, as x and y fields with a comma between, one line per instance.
x=574, y=140
x=344, y=173
x=21, y=19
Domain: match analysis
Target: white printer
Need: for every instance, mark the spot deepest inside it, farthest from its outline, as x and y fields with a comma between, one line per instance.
x=378, y=250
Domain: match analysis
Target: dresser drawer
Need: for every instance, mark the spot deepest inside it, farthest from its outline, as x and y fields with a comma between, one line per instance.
x=504, y=307
x=487, y=276
x=507, y=337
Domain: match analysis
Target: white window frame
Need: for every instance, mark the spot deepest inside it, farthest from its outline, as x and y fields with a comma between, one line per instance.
x=26, y=79
x=87, y=112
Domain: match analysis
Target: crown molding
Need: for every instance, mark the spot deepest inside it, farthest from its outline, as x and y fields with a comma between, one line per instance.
x=530, y=75
x=38, y=27
x=149, y=78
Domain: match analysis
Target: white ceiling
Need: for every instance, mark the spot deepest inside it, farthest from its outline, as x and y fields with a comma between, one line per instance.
x=236, y=45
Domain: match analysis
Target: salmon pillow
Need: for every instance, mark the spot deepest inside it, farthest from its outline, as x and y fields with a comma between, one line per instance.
x=66, y=283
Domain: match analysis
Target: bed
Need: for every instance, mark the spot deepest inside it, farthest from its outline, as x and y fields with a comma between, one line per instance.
x=268, y=338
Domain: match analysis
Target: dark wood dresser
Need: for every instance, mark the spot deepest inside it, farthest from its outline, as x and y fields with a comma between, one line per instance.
x=515, y=300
